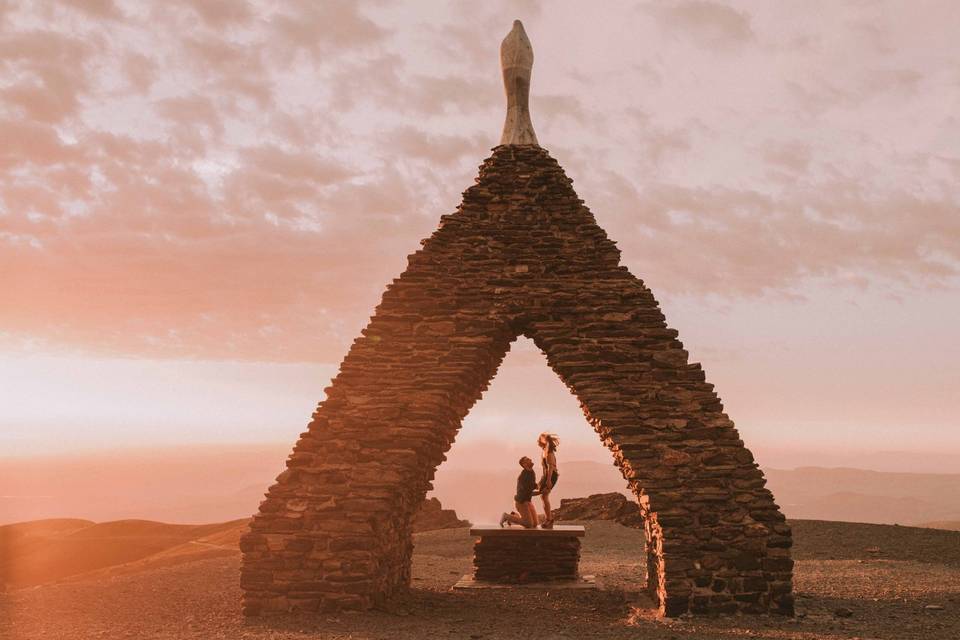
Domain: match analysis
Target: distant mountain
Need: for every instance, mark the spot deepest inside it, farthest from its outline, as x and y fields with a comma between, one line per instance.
x=845, y=495
x=42, y=551
x=48, y=550
x=856, y=495
x=949, y=525
x=457, y=488
x=210, y=483
x=217, y=483
x=939, y=462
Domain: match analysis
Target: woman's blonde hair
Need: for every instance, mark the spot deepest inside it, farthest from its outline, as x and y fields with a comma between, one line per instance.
x=552, y=440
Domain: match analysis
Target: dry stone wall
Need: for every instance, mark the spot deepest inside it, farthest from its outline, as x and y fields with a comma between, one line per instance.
x=522, y=255
x=519, y=559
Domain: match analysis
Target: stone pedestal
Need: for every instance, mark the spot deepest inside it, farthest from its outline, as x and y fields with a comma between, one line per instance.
x=514, y=555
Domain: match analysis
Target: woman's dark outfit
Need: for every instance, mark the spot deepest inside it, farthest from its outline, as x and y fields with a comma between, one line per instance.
x=543, y=476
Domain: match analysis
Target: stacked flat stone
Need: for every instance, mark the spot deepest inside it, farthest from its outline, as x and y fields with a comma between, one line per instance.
x=522, y=558
x=522, y=255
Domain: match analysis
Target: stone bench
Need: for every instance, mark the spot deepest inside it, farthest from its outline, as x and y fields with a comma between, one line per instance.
x=515, y=555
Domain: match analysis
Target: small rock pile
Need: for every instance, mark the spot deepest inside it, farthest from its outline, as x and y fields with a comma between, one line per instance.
x=432, y=516
x=601, y=506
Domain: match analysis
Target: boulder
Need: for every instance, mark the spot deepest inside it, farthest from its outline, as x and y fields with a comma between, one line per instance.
x=433, y=516
x=601, y=506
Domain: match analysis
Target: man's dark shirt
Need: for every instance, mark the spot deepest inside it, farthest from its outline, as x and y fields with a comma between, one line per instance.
x=526, y=483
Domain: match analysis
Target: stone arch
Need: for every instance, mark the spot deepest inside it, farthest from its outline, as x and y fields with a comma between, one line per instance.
x=521, y=255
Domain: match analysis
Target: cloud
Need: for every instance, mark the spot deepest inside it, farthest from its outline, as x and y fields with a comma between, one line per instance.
x=240, y=180
x=45, y=74
x=221, y=13
x=384, y=82
x=556, y=105
x=437, y=149
x=139, y=71
x=750, y=243
x=232, y=70
x=791, y=158
x=104, y=9
x=322, y=27
x=709, y=24
x=191, y=117
x=29, y=143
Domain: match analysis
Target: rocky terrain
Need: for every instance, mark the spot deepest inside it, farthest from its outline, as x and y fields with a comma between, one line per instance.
x=44, y=551
x=601, y=506
x=433, y=516
x=852, y=581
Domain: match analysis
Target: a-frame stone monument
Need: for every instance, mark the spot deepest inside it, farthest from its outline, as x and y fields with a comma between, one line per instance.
x=522, y=255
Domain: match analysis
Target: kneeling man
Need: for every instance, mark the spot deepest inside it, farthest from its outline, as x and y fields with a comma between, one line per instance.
x=526, y=513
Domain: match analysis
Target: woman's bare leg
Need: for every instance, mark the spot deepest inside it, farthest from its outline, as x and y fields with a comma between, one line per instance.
x=545, y=496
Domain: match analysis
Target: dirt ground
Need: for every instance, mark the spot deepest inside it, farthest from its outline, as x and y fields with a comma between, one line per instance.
x=890, y=579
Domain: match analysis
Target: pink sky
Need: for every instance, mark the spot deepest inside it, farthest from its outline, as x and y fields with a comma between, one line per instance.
x=201, y=203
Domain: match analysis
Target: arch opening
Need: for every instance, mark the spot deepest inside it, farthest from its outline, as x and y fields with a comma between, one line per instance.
x=477, y=480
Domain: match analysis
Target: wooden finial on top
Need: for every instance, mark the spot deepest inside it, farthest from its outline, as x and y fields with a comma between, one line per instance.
x=516, y=60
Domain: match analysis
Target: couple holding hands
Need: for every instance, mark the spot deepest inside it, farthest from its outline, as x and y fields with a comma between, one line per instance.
x=527, y=487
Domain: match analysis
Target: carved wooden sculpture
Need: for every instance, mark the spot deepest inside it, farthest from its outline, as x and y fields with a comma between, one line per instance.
x=516, y=60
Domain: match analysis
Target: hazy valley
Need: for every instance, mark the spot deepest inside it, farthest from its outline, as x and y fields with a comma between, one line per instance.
x=207, y=484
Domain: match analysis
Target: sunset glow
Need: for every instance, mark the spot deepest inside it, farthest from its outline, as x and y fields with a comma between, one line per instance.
x=200, y=205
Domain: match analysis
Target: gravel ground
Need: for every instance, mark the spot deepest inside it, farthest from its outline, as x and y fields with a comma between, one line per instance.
x=872, y=571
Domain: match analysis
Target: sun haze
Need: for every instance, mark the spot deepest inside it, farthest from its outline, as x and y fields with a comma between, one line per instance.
x=201, y=203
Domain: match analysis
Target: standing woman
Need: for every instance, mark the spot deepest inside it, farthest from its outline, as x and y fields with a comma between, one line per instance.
x=548, y=443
